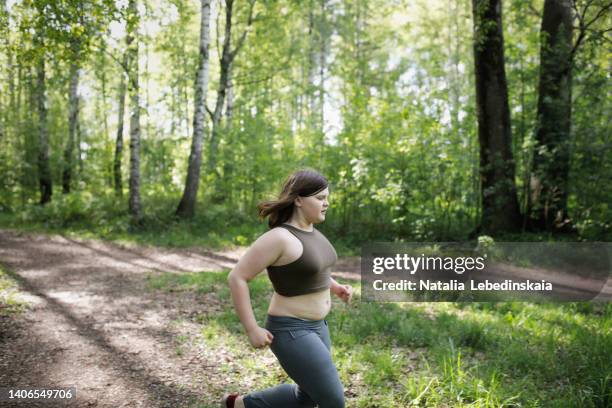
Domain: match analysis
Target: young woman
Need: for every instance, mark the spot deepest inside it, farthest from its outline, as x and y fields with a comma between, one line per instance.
x=298, y=258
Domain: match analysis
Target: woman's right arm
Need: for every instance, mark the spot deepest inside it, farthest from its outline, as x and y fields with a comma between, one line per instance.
x=264, y=252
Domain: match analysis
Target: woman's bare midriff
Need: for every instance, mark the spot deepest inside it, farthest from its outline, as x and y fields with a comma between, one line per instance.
x=312, y=306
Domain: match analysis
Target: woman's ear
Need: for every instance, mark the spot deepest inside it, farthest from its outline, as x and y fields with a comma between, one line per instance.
x=298, y=201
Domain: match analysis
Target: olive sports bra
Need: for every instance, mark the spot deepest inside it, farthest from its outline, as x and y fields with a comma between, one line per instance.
x=311, y=272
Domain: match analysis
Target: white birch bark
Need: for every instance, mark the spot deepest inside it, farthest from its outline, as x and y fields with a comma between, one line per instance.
x=186, y=207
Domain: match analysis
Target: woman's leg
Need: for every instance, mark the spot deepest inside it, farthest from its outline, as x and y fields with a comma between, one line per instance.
x=325, y=335
x=283, y=395
x=304, y=355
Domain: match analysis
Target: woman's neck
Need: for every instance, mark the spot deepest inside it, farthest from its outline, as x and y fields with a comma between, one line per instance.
x=301, y=223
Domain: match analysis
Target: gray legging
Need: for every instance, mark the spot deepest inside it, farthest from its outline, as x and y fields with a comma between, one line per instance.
x=303, y=350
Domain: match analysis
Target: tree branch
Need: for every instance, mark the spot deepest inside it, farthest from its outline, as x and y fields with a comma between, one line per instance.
x=240, y=42
x=600, y=13
x=584, y=27
x=535, y=12
x=120, y=63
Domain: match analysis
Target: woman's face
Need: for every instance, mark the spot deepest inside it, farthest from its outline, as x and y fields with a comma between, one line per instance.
x=314, y=207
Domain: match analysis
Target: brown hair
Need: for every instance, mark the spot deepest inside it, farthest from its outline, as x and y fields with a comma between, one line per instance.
x=302, y=183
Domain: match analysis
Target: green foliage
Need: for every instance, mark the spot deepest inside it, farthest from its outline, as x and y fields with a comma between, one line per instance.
x=80, y=210
x=104, y=216
x=377, y=95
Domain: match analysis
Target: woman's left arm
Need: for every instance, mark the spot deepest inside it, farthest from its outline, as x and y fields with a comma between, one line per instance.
x=344, y=292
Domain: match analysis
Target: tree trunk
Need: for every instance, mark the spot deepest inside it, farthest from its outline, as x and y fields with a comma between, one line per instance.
x=29, y=129
x=229, y=106
x=186, y=207
x=227, y=58
x=228, y=166
x=225, y=63
x=185, y=97
x=550, y=171
x=133, y=90
x=79, y=136
x=44, y=168
x=108, y=164
x=500, y=210
x=119, y=139
x=73, y=103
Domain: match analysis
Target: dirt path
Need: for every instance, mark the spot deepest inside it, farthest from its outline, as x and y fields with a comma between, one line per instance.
x=94, y=325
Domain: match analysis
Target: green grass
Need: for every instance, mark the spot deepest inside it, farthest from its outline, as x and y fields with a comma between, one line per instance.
x=504, y=354
x=10, y=301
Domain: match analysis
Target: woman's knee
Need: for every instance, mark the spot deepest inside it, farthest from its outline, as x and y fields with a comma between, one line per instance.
x=304, y=399
x=333, y=399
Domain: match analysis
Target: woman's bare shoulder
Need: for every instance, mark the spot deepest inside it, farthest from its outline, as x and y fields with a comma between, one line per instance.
x=274, y=236
x=265, y=251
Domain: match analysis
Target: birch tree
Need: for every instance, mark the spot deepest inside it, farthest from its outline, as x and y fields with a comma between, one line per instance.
x=186, y=207
x=227, y=58
x=117, y=178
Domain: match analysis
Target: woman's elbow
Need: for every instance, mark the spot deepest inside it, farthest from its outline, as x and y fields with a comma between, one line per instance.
x=234, y=277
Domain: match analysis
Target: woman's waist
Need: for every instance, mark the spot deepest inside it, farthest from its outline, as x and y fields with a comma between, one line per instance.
x=313, y=307
x=309, y=302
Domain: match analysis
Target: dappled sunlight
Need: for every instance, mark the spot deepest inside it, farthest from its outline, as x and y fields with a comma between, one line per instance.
x=108, y=335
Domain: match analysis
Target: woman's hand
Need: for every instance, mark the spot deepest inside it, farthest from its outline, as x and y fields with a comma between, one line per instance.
x=344, y=292
x=260, y=337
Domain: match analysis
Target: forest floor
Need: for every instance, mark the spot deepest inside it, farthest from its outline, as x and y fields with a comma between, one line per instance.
x=130, y=325
x=92, y=323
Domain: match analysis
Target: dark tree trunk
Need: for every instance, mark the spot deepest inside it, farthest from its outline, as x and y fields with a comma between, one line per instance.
x=551, y=160
x=500, y=210
x=44, y=168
